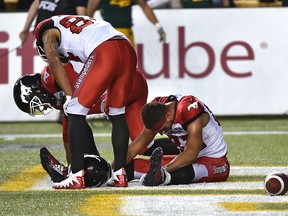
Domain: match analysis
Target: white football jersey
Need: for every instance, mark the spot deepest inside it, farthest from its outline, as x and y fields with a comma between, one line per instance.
x=188, y=109
x=80, y=35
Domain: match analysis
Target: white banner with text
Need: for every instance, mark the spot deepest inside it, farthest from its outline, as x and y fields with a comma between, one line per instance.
x=234, y=60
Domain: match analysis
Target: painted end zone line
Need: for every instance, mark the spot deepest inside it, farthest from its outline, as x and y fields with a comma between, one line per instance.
x=46, y=184
x=232, y=133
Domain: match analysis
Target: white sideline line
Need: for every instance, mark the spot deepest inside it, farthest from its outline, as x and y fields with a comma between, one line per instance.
x=46, y=184
x=17, y=136
x=263, y=170
x=232, y=133
x=235, y=133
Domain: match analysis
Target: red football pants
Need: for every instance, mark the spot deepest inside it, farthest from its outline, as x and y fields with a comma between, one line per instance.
x=110, y=66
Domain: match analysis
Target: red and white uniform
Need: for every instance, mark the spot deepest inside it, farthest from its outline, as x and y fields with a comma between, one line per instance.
x=212, y=164
x=109, y=62
x=136, y=99
x=80, y=35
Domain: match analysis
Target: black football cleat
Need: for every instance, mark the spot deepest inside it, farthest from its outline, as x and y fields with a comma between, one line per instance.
x=153, y=177
x=56, y=170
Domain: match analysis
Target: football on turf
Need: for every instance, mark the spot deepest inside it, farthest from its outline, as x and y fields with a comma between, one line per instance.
x=276, y=183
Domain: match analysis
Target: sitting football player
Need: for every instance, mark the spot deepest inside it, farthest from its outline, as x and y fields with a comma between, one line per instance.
x=194, y=129
x=39, y=94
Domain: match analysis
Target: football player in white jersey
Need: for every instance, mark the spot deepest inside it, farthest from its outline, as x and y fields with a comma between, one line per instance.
x=109, y=63
x=190, y=124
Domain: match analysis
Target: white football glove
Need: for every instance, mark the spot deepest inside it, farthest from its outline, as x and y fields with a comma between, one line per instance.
x=161, y=32
x=65, y=106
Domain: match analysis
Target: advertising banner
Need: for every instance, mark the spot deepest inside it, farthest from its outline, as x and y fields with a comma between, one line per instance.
x=234, y=60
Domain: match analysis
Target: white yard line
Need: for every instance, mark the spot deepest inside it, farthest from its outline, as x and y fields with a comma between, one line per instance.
x=235, y=133
x=231, y=133
x=46, y=183
x=17, y=136
x=243, y=170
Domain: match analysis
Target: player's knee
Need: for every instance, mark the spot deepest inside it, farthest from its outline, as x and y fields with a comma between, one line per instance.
x=184, y=175
x=74, y=107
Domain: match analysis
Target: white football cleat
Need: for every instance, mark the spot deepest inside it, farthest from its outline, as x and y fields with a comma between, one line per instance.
x=73, y=181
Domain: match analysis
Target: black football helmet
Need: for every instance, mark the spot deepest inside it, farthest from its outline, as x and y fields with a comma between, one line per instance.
x=97, y=171
x=31, y=97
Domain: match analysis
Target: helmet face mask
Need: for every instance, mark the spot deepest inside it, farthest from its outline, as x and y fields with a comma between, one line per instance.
x=39, y=108
x=31, y=97
x=42, y=53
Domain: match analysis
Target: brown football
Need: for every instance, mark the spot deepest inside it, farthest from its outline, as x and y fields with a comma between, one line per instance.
x=276, y=183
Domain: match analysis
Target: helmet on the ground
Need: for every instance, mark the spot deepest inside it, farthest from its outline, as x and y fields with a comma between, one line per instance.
x=97, y=171
x=31, y=97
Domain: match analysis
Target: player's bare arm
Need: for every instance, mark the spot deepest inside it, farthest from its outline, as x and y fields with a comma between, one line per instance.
x=148, y=11
x=92, y=6
x=50, y=40
x=81, y=11
x=142, y=141
x=193, y=144
x=24, y=34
